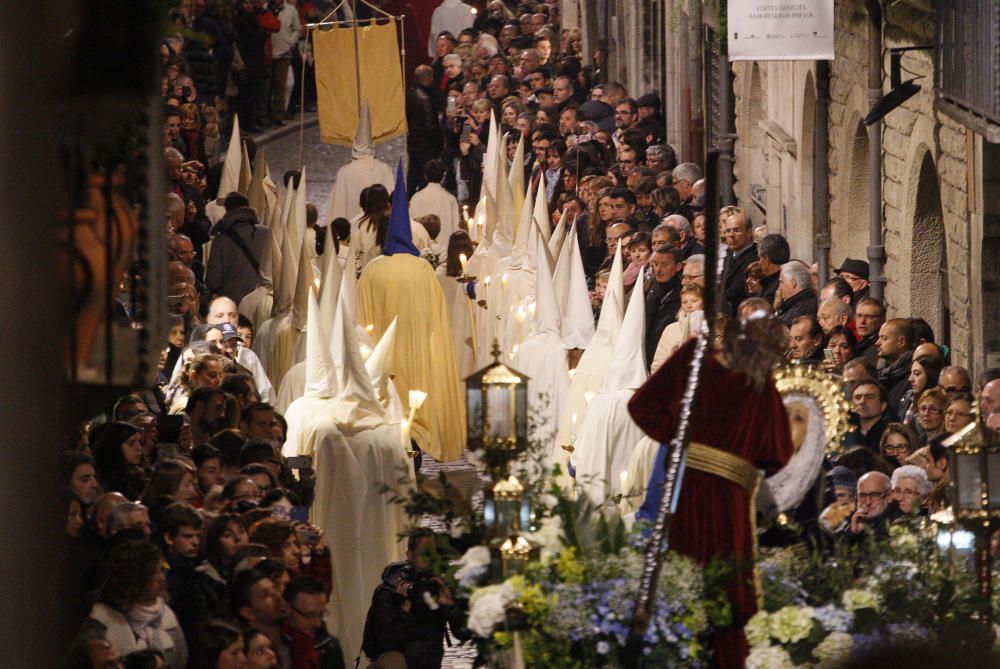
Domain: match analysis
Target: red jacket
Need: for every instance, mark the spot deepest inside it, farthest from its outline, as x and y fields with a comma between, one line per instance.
x=270, y=22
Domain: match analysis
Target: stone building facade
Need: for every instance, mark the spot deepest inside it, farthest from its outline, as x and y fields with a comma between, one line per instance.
x=935, y=174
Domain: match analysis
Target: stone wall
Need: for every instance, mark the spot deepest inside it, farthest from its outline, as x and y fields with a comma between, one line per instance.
x=926, y=159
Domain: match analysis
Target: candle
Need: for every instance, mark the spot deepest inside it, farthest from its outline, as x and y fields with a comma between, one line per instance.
x=573, y=423
x=462, y=260
x=623, y=478
x=405, y=433
x=503, y=280
x=370, y=328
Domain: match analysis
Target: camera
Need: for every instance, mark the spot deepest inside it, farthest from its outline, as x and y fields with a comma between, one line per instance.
x=421, y=581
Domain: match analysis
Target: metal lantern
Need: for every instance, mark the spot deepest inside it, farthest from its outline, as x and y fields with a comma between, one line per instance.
x=974, y=468
x=497, y=406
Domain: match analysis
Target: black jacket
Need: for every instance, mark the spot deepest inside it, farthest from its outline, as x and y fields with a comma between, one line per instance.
x=867, y=348
x=424, y=137
x=692, y=247
x=871, y=439
x=662, y=303
x=417, y=633
x=802, y=303
x=230, y=271
x=194, y=596
x=734, y=276
x=895, y=378
x=769, y=287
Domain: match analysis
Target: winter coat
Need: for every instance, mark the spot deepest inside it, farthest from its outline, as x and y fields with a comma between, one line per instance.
x=229, y=271
x=112, y=625
x=663, y=301
x=802, y=303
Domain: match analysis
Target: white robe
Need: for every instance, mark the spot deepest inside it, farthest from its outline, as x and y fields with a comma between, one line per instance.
x=542, y=358
x=361, y=172
x=451, y=15
x=604, y=444
x=360, y=524
x=461, y=309
x=434, y=199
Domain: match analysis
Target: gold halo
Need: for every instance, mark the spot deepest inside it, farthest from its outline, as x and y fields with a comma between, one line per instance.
x=827, y=392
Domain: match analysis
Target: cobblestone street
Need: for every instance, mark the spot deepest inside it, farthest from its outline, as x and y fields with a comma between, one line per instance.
x=281, y=148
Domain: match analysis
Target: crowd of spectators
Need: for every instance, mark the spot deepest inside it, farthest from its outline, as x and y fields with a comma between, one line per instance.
x=190, y=544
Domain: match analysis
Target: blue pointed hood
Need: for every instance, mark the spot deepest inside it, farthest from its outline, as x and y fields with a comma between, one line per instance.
x=400, y=237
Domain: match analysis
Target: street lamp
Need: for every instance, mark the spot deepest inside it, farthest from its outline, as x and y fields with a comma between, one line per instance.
x=497, y=412
x=974, y=467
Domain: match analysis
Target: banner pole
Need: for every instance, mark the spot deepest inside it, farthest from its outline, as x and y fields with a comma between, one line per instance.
x=357, y=63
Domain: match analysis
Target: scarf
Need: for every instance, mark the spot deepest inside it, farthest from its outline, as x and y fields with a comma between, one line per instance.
x=145, y=623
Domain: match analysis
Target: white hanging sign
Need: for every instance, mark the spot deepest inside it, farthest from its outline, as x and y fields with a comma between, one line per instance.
x=780, y=30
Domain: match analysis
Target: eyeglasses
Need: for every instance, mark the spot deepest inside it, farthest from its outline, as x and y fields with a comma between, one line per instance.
x=321, y=615
x=872, y=496
x=896, y=448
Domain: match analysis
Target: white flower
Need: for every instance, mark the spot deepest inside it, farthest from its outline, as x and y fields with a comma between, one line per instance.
x=861, y=599
x=487, y=608
x=769, y=657
x=603, y=647
x=474, y=564
x=833, y=650
x=758, y=629
x=792, y=623
x=547, y=538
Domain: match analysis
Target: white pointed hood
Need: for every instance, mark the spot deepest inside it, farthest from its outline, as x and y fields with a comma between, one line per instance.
x=627, y=370
x=321, y=373
x=379, y=369
x=356, y=395
x=284, y=279
x=541, y=214
x=515, y=179
x=304, y=283
x=503, y=238
x=364, y=146
x=547, y=316
x=519, y=255
x=578, y=314
x=556, y=240
x=255, y=191
x=609, y=323
x=377, y=363
x=230, y=180
x=561, y=279
x=304, y=277
x=246, y=174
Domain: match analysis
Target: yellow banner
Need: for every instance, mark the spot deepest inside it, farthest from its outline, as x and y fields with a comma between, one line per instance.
x=381, y=80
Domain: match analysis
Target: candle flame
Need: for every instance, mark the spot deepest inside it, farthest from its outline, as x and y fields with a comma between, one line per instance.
x=588, y=396
x=417, y=398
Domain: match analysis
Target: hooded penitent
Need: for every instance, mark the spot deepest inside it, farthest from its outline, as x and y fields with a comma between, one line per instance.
x=607, y=436
x=285, y=333
x=588, y=377
x=542, y=355
x=399, y=284
x=363, y=171
x=356, y=450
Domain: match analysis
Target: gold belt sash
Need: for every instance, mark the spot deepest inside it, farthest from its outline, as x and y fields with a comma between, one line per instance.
x=711, y=460
x=731, y=467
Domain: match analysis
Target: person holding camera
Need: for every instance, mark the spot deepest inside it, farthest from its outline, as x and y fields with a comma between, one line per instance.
x=410, y=610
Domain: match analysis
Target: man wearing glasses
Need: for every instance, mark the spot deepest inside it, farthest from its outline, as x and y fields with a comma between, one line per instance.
x=304, y=631
x=874, y=511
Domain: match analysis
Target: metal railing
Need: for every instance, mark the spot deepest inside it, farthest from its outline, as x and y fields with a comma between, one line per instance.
x=968, y=52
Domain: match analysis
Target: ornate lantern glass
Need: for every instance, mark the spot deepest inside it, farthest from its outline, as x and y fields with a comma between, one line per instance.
x=497, y=407
x=974, y=466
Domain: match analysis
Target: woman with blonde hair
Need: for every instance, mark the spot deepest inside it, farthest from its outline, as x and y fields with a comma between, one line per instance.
x=203, y=370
